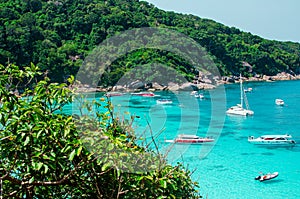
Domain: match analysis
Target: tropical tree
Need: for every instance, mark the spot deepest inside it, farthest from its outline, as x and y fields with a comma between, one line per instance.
x=50, y=33
x=46, y=153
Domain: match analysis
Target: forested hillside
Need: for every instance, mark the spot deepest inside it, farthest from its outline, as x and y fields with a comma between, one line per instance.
x=57, y=35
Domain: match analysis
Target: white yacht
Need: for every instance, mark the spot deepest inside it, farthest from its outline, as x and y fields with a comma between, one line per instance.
x=164, y=101
x=272, y=140
x=190, y=139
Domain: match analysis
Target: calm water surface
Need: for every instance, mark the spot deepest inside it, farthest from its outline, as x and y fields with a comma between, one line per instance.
x=227, y=168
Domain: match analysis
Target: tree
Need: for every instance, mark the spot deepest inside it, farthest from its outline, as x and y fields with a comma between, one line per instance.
x=25, y=26
x=48, y=154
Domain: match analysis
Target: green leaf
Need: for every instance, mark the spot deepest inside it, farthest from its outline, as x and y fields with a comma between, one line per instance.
x=34, y=165
x=53, y=154
x=39, y=165
x=163, y=184
x=79, y=150
x=161, y=197
x=110, y=147
x=72, y=154
x=27, y=140
x=55, y=133
x=46, y=157
x=51, y=158
x=62, y=166
x=106, y=166
x=46, y=168
x=71, y=79
x=66, y=149
x=31, y=180
x=67, y=131
x=39, y=133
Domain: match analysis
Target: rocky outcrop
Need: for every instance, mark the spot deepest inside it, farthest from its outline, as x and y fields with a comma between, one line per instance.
x=283, y=76
x=158, y=86
x=201, y=82
x=279, y=77
x=136, y=85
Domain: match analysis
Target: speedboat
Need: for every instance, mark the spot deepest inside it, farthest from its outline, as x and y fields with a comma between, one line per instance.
x=279, y=102
x=267, y=176
x=164, y=101
x=190, y=139
x=272, y=140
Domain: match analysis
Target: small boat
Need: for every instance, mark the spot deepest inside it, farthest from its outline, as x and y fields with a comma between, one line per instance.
x=267, y=176
x=272, y=140
x=279, y=102
x=199, y=95
x=239, y=109
x=112, y=94
x=194, y=92
x=190, y=139
x=144, y=94
x=164, y=101
x=246, y=90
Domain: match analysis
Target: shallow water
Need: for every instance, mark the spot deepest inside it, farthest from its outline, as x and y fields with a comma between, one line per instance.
x=227, y=167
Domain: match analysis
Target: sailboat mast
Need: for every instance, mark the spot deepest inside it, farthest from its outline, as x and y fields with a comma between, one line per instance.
x=241, y=87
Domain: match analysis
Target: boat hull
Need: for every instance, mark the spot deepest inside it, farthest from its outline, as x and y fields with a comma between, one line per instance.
x=144, y=94
x=164, y=102
x=193, y=141
x=279, y=102
x=289, y=142
x=113, y=94
x=242, y=112
x=268, y=176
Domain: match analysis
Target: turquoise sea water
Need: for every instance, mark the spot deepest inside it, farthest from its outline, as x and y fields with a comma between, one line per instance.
x=227, y=167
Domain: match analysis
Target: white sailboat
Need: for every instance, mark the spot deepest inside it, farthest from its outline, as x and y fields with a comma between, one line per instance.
x=239, y=109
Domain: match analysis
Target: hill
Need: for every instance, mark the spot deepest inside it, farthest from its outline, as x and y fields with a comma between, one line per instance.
x=57, y=35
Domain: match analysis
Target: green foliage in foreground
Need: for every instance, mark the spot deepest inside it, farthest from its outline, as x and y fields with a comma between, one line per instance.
x=46, y=154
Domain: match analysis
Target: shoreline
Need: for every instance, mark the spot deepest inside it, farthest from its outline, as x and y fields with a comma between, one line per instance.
x=201, y=83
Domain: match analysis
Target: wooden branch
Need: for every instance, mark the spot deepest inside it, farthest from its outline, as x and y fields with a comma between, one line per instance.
x=4, y=138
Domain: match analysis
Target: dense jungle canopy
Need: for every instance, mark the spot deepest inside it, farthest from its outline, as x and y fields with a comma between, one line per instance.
x=57, y=35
